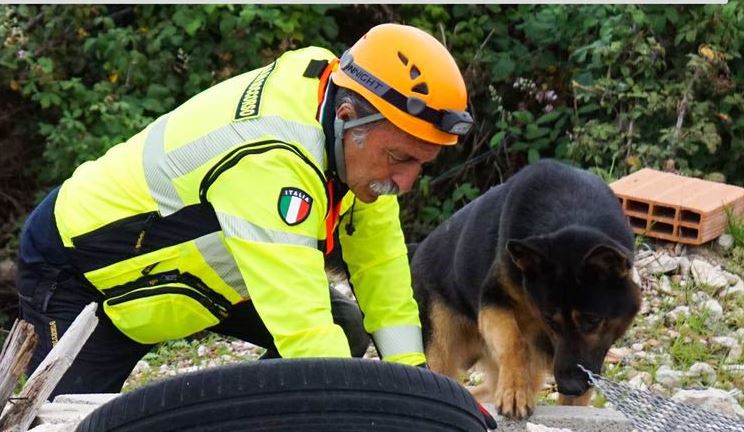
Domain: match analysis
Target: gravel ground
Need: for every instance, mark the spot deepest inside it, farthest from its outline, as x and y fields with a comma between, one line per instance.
x=688, y=335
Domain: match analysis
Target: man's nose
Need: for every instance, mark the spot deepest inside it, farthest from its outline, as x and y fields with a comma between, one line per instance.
x=405, y=177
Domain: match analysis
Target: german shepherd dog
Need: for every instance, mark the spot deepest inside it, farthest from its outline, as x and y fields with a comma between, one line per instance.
x=532, y=276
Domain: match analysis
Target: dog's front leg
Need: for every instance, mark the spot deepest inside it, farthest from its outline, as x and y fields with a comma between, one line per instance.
x=514, y=394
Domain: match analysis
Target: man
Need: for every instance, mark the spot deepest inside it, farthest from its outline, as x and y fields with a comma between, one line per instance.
x=217, y=215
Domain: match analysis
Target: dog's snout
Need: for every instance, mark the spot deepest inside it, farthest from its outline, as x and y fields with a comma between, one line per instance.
x=572, y=381
x=573, y=386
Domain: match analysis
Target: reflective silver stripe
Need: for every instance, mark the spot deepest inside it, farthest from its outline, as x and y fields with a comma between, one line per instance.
x=236, y=227
x=162, y=168
x=200, y=151
x=398, y=340
x=222, y=261
x=156, y=169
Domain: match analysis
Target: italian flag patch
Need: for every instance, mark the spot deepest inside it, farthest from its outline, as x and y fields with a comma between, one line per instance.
x=294, y=205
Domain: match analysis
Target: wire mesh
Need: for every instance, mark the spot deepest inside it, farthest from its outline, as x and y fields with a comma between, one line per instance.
x=649, y=412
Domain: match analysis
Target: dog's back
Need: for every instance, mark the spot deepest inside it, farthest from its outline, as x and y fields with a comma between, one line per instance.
x=549, y=195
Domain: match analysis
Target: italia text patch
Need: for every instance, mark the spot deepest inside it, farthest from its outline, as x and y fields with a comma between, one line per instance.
x=294, y=205
x=251, y=100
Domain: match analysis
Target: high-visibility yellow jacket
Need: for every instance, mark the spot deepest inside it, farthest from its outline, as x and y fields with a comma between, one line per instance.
x=224, y=199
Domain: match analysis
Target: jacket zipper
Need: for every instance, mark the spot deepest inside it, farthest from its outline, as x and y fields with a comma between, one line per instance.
x=213, y=308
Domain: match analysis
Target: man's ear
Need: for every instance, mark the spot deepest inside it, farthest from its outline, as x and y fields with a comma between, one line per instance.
x=525, y=254
x=608, y=259
x=345, y=111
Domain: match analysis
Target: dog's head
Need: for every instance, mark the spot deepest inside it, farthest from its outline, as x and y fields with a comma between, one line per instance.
x=580, y=283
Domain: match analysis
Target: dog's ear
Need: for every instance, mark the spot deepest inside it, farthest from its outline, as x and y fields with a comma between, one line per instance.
x=608, y=259
x=525, y=255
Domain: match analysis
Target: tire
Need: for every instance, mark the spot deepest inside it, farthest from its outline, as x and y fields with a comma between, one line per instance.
x=308, y=395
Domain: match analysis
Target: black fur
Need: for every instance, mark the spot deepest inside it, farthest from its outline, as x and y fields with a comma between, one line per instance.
x=556, y=232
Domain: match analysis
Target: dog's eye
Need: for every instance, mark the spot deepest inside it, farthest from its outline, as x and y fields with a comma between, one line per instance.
x=588, y=323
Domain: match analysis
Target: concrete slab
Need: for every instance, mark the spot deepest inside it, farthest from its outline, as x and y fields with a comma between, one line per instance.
x=49, y=427
x=574, y=418
x=63, y=413
x=87, y=399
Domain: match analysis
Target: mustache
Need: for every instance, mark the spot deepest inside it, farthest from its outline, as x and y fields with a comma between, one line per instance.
x=387, y=187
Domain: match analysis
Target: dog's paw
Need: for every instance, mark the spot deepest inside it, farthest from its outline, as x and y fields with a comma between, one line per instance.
x=513, y=397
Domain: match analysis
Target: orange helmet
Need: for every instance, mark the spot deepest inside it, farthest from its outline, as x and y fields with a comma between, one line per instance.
x=411, y=79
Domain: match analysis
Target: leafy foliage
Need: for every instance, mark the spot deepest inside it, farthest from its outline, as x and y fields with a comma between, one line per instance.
x=607, y=87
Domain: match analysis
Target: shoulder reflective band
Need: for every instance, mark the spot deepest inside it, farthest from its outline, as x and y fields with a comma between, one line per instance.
x=450, y=121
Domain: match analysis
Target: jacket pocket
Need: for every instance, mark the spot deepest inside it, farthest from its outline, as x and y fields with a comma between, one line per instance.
x=164, y=306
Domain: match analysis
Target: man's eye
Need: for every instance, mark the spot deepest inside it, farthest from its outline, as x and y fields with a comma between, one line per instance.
x=395, y=158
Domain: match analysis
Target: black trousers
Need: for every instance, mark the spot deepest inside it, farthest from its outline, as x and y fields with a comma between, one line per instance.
x=51, y=298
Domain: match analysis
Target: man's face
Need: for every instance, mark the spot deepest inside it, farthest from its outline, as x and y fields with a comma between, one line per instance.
x=389, y=161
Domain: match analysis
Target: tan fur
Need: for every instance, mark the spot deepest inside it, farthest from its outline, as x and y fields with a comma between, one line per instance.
x=455, y=343
x=513, y=384
x=502, y=345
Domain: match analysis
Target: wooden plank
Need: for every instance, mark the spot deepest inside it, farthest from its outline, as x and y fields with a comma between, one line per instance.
x=43, y=381
x=16, y=353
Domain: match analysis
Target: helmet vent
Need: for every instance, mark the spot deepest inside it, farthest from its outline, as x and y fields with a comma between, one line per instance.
x=403, y=59
x=415, y=72
x=421, y=88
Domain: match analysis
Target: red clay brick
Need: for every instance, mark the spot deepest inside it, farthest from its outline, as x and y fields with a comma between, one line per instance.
x=675, y=207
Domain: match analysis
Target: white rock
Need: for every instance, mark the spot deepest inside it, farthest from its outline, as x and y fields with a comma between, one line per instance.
x=202, y=350
x=141, y=366
x=652, y=320
x=724, y=341
x=679, y=312
x=669, y=377
x=636, y=276
x=704, y=371
x=665, y=284
x=712, y=399
x=642, y=256
x=736, y=290
x=700, y=297
x=705, y=273
x=726, y=241
x=734, y=353
x=684, y=266
x=731, y=278
x=661, y=264
x=714, y=309
x=188, y=369
x=641, y=381
x=734, y=347
x=619, y=352
x=637, y=347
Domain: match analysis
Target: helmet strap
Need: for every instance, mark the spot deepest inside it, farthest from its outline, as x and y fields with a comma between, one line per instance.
x=338, y=148
x=339, y=126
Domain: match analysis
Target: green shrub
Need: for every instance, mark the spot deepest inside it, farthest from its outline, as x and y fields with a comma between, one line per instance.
x=611, y=88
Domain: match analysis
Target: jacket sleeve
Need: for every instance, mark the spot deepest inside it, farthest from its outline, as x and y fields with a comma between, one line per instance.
x=278, y=256
x=377, y=259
